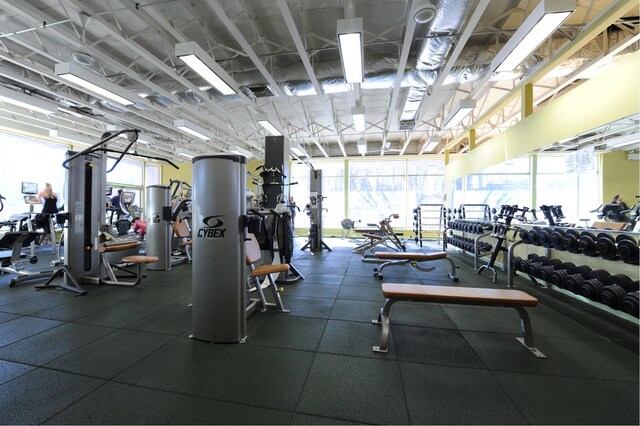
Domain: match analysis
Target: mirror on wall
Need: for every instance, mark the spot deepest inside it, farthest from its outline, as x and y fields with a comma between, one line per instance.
x=580, y=173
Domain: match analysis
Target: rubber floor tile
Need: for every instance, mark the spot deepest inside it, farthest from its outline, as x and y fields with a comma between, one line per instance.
x=117, y=403
x=211, y=412
x=41, y=393
x=361, y=390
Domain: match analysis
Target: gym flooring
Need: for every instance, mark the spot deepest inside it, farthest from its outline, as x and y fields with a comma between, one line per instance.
x=123, y=356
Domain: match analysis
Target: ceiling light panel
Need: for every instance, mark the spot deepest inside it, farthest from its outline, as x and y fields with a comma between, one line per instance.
x=359, y=122
x=26, y=101
x=362, y=146
x=538, y=26
x=199, y=61
x=458, y=113
x=349, y=33
x=235, y=149
x=263, y=120
x=94, y=83
x=192, y=129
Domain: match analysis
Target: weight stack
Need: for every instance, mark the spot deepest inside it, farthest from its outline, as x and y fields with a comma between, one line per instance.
x=218, y=284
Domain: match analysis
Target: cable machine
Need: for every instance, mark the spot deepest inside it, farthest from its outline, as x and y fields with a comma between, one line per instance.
x=85, y=229
x=314, y=210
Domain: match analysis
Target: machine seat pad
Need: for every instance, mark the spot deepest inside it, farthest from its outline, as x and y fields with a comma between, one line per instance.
x=269, y=269
x=104, y=248
x=140, y=259
x=458, y=295
x=372, y=236
x=411, y=256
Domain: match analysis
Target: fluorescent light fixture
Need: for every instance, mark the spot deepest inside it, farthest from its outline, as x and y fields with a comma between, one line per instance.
x=240, y=151
x=430, y=144
x=539, y=25
x=199, y=61
x=298, y=150
x=263, y=120
x=71, y=137
x=192, y=129
x=184, y=154
x=457, y=114
x=26, y=101
x=362, y=146
x=143, y=140
x=94, y=83
x=70, y=112
x=350, y=43
x=359, y=122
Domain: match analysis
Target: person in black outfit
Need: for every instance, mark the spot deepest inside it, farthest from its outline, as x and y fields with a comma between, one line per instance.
x=618, y=200
x=49, y=201
x=115, y=204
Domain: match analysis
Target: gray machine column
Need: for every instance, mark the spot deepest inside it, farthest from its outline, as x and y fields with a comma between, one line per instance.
x=314, y=211
x=84, y=193
x=158, y=235
x=218, y=248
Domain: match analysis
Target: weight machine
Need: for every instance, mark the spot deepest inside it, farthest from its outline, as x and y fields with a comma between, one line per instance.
x=86, y=231
x=314, y=210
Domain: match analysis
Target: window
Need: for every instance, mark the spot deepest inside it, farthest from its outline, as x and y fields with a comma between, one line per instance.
x=152, y=175
x=19, y=164
x=425, y=182
x=574, y=191
x=377, y=189
x=127, y=172
x=506, y=183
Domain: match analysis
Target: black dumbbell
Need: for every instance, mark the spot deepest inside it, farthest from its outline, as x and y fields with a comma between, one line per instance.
x=630, y=303
x=587, y=244
x=591, y=289
x=545, y=237
x=571, y=241
x=606, y=246
x=573, y=282
x=557, y=239
x=524, y=236
x=534, y=235
x=628, y=249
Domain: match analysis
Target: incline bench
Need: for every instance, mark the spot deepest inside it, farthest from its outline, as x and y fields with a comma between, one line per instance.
x=457, y=295
x=413, y=259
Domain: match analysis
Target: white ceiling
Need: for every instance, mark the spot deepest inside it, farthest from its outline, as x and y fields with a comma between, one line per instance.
x=131, y=43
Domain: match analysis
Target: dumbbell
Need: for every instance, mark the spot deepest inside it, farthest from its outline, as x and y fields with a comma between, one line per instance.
x=571, y=241
x=548, y=268
x=630, y=303
x=628, y=249
x=592, y=287
x=557, y=239
x=573, y=282
x=515, y=263
x=544, y=236
x=617, y=287
x=587, y=244
x=534, y=236
x=606, y=246
x=524, y=236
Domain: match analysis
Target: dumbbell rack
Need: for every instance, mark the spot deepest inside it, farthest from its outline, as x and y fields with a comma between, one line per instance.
x=474, y=211
x=579, y=244
x=477, y=228
x=429, y=218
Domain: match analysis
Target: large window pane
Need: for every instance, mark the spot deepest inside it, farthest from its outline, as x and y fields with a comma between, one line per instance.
x=153, y=175
x=575, y=191
x=128, y=172
x=376, y=190
x=43, y=167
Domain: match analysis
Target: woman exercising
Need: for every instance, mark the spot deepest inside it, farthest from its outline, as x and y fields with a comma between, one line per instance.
x=49, y=201
x=618, y=200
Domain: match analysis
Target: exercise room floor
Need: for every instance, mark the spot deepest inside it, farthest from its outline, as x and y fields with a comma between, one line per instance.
x=122, y=356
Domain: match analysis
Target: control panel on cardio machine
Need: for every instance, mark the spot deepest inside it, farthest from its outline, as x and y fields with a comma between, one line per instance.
x=29, y=189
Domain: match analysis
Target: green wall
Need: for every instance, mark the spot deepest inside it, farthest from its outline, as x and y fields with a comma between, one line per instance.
x=620, y=176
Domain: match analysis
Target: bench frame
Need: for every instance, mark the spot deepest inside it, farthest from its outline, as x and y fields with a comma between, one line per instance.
x=377, y=272
x=525, y=324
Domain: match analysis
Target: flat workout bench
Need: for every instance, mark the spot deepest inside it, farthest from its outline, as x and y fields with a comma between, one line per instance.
x=413, y=259
x=461, y=296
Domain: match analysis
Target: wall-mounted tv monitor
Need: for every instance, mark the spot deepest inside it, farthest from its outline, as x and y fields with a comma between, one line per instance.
x=29, y=188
